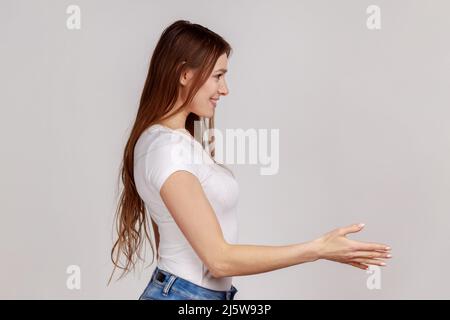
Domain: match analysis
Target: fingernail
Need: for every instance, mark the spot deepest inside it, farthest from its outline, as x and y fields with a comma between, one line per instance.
x=388, y=248
x=383, y=264
x=389, y=256
x=362, y=225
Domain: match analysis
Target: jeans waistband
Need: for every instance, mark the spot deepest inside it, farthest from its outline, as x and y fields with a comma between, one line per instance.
x=167, y=280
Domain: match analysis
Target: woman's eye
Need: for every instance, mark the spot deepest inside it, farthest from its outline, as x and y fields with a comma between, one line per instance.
x=218, y=76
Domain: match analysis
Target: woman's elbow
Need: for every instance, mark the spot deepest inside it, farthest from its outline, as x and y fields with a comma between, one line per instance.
x=218, y=271
x=220, y=267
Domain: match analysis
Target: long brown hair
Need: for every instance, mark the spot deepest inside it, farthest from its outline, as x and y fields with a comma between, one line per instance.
x=183, y=45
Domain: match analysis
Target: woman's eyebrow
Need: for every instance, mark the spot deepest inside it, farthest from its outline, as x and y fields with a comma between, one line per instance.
x=223, y=70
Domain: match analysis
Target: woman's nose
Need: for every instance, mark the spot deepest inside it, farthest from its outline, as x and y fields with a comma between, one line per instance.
x=223, y=90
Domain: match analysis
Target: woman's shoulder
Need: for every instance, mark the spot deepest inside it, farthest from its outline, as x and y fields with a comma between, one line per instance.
x=159, y=143
x=161, y=152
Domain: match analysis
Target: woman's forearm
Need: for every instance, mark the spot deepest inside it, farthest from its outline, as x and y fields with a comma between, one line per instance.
x=240, y=260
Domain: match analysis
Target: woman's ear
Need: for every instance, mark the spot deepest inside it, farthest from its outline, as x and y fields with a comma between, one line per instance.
x=186, y=76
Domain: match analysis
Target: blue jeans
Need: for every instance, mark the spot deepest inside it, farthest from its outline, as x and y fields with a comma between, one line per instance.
x=166, y=286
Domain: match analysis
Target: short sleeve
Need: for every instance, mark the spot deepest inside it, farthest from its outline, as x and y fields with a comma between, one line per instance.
x=174, y=155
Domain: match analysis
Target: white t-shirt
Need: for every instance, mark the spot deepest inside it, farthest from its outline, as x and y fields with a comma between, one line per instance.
x=159, y=152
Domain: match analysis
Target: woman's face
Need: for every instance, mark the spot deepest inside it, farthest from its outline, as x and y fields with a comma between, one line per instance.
x=204, y=102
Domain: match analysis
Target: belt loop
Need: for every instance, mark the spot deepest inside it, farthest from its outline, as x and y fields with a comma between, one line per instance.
x=154, y=274
x=169, y=284
x=231, y=293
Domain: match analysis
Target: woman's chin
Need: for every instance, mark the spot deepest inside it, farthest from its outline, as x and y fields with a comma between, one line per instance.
x=209, y=114
x=206, y=113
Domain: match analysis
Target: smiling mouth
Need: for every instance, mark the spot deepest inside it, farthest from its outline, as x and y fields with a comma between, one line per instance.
x=213, y=102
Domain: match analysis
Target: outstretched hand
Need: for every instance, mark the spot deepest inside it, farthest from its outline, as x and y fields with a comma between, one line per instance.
x=335, y=246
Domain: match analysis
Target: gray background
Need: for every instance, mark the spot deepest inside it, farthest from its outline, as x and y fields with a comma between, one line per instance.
x=364, y=127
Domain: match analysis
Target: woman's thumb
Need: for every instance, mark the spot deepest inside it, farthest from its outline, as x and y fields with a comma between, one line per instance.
x=352, y=229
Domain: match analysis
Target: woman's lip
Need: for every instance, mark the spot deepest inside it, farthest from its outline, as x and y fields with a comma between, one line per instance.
x=214, y=102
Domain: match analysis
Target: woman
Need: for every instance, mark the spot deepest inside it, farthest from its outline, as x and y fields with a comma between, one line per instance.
x=192, y=204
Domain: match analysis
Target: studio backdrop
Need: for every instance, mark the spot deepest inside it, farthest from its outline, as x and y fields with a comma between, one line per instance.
x=349, y=102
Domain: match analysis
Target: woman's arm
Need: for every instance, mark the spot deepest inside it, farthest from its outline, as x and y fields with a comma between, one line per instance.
x=184, y=197
x=240, y=260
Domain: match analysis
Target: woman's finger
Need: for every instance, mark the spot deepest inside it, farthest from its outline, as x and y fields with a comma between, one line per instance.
x=351, y=229
x=359, y=265
x=369, y=246
x=375, y=262
x=371, y=254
